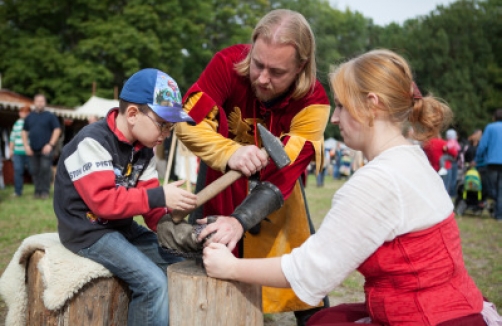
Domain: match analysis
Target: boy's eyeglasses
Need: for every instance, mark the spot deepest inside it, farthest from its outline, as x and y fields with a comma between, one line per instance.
x=164, y=127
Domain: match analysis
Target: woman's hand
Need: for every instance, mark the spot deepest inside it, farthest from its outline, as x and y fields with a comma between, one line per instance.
x=219, y=262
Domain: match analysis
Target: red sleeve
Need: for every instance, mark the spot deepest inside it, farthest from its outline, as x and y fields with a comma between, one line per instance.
x=104, y=199
x=96, y=185
x=285, y=178
x=149, y=180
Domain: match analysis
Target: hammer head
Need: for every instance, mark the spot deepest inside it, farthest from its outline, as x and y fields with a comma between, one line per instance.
x=273, y=147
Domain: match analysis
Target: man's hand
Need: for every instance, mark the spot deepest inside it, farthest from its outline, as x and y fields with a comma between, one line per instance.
x=219, y=261
x=177, y=198
x=226, y=230
x=46, y=150
x=248, y=160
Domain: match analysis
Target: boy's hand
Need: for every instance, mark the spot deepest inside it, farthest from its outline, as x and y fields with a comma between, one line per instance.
x=177, y=198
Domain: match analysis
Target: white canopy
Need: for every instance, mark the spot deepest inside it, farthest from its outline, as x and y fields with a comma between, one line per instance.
x=97, y=106
x=330, y=143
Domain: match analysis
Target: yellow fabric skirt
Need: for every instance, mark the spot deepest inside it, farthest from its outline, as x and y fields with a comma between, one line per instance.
x=288, y=228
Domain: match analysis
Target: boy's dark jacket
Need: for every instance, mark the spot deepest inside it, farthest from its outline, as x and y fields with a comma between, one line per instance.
x=102, y=181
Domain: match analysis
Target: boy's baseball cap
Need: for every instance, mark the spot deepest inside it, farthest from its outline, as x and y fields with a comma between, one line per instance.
x=159, y=91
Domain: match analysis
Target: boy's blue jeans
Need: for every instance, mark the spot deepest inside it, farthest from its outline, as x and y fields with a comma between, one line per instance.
x=137, y=259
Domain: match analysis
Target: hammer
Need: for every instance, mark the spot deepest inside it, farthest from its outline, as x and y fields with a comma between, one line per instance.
x=272, y=148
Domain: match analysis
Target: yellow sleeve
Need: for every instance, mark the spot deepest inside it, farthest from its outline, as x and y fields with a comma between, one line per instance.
x=308, y=125
x=203, y=139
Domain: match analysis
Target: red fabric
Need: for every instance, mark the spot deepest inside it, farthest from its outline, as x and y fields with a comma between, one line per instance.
x=220, y=83
x=420, y=279
x=341, y=315
x=416, y=279
x=347, y=314
x=434, y=149
x=471, y=320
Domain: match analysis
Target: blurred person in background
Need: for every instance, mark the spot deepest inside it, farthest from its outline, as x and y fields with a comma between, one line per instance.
x=452, y=146
x=20, y=160
x=41, y=131
x=490, y=150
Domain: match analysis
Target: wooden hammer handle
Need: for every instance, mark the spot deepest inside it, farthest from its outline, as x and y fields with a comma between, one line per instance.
x=217, y=186
x=210, y=191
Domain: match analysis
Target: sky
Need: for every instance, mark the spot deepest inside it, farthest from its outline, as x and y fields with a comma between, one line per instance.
x=384, y=12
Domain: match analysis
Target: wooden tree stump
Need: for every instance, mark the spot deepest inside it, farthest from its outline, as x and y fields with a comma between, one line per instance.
x=196, y=299
x=103, y=301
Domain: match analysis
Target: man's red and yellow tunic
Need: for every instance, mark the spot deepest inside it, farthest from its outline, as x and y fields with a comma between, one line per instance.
x=227, y=111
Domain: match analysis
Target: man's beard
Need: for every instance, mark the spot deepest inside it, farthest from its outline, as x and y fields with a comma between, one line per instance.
x=270, y=95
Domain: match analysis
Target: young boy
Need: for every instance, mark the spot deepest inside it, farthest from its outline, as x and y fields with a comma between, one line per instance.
x=106, y=175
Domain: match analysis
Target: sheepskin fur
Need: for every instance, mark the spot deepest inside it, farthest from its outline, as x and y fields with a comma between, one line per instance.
x=63, y=274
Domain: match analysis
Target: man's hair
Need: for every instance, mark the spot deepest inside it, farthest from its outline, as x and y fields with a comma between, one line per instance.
x=39, y=95
x=284, y=26
x=497, y=115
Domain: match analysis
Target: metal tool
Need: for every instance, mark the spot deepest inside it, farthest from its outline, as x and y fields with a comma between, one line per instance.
x=272, y=147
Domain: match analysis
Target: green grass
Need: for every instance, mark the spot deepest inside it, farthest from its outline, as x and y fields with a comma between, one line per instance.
x=481, y=238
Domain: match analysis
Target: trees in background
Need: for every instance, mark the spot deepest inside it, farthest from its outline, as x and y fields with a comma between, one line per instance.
x=456, y=55
x=61, y=47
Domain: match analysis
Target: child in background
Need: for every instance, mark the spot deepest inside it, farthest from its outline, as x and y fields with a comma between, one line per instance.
x=450, y=162
x=20, y=160
x=450, y=150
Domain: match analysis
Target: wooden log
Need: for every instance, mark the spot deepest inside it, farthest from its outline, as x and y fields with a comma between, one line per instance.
x=103, y=301
x=196, y=299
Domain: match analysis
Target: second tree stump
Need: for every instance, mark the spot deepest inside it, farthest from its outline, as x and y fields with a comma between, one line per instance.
x=197, y=299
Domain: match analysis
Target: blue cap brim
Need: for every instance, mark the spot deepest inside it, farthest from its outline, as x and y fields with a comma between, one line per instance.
x=172, y=113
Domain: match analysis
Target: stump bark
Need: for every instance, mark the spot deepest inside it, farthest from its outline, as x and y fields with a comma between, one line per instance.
x=196, y=299
x=103, y=301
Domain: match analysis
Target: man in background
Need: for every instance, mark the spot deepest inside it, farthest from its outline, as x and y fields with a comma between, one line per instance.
x=40, y=134
x=490, y=149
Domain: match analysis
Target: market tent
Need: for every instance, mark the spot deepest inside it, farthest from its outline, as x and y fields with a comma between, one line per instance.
x=11, y=102
x=97, y=106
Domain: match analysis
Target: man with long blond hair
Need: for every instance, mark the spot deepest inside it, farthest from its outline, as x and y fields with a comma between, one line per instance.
x=272, y=82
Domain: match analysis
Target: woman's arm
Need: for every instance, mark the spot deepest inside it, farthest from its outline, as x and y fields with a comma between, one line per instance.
x=221, y=263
